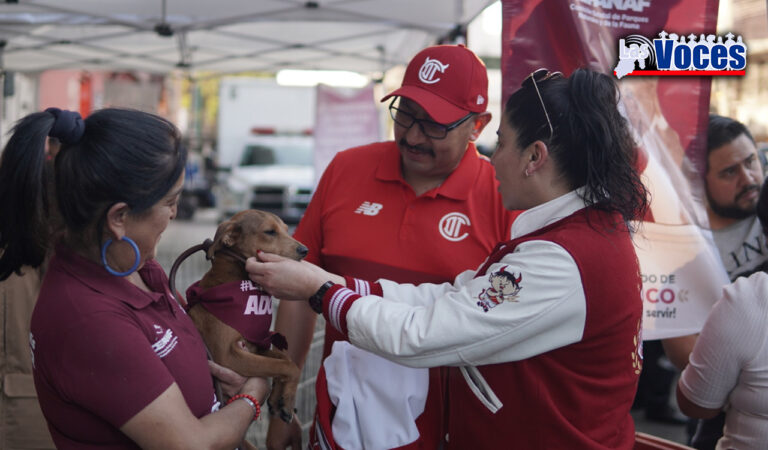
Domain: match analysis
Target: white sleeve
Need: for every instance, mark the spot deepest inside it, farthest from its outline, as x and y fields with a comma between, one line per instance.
x=423, y=294
x=454, y=328
x=727, y=342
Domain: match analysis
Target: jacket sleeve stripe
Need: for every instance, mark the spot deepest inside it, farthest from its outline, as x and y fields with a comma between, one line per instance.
x=336, y=303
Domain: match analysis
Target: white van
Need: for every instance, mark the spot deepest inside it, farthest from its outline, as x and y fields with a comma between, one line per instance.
x=275, y=173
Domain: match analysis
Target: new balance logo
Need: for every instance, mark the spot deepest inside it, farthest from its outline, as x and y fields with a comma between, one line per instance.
x=369, y=209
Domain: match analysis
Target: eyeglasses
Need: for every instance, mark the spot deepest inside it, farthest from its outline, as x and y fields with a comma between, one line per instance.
x=539, y=76
x=430, y=128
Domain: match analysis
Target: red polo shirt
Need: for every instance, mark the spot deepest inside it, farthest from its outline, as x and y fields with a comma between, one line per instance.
x=365, y=221
x=103, y=350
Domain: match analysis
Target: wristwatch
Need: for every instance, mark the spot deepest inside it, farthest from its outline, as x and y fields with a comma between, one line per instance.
x=316, y=301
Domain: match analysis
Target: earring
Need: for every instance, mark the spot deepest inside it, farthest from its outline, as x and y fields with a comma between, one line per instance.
x=527, y=174
x=113, y=271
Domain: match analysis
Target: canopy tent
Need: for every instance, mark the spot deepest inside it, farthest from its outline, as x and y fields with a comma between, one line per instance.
x=225, y=36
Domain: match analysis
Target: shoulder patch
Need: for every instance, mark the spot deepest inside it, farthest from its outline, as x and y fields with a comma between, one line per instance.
x=504, y=286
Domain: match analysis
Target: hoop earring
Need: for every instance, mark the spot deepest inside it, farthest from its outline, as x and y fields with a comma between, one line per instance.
x=113, y=271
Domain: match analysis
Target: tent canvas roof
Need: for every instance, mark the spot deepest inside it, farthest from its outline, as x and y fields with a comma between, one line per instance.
x=224, y=36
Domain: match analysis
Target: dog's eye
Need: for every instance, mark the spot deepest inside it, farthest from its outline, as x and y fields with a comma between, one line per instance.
x=271, y=232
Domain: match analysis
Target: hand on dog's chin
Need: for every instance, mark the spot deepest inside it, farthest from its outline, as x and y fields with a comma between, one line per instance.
x=285, y=278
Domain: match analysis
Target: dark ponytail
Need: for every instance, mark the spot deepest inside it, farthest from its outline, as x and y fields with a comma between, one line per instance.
x=115, y=155
x=24, y=234
x=591, y=144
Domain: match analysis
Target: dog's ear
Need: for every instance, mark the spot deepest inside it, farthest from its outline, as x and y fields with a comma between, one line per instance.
x=226, y=236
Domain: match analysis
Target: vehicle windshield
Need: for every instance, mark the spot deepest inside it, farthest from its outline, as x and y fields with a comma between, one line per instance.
x=262, y=155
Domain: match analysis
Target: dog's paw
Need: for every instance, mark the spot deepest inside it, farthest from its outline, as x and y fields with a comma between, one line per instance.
x=280, y=410
x=285, y=415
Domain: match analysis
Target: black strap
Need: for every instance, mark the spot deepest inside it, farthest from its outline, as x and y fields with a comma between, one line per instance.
x=172, y=276
x=205, y=246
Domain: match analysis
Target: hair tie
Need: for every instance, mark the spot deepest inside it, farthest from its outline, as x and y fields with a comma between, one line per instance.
x=68, y=126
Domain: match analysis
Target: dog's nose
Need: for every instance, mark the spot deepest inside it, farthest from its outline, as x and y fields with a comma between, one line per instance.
x=302, y=251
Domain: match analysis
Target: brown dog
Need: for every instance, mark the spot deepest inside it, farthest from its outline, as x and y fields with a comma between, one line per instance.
x=237, y=239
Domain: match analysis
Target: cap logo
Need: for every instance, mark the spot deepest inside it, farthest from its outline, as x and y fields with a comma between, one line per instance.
x=480, y=99
x=429, y=70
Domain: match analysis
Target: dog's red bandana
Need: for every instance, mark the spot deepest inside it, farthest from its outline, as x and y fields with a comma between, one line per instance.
x=243, y=306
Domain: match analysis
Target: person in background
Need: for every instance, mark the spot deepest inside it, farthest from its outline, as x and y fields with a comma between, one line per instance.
x=421, y=208
x=22, y=425
x=116, y=362
x=728, y=368
x=732, y=181
x=544, y=338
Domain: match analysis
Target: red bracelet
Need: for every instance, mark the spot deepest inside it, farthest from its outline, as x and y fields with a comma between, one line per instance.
x=251, y=401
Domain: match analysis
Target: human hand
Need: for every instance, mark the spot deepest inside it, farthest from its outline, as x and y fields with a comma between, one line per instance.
x=288, y=279
x=281, y=435
x=232, y=383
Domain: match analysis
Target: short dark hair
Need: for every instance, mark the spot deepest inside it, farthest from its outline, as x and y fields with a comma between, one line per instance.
x=123, y=156
x=590, y=144
x=722, y=130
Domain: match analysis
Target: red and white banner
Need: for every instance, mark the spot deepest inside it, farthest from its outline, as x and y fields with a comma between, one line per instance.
x=682, y=273
x=346, y=117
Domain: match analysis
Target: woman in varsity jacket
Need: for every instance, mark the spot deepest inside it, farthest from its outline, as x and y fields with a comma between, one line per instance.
x=545, y=336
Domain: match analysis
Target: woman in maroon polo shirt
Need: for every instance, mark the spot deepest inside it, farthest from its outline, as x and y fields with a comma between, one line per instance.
x=117, y=363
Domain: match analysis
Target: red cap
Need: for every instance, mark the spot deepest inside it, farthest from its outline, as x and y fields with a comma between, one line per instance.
x=448, y=81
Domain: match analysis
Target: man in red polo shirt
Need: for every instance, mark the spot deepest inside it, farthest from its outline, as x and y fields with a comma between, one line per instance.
x=421, y=208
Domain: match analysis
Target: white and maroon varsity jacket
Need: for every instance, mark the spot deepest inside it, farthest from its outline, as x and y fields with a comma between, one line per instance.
x=544, y=336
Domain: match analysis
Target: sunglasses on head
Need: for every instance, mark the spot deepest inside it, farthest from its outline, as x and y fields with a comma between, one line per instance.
x=540, y=76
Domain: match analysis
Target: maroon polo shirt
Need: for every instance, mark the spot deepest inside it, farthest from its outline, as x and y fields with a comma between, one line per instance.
x=103, y=349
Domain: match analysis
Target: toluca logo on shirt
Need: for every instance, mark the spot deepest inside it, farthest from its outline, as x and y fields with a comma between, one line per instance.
x=369, y=208
x=451, y=225
x=166, y=343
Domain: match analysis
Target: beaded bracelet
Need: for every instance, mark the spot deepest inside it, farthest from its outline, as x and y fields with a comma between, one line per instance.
x=251, y=401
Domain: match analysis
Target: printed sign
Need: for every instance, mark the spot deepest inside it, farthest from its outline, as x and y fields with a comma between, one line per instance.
x=679, y=288
x=346, y=117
